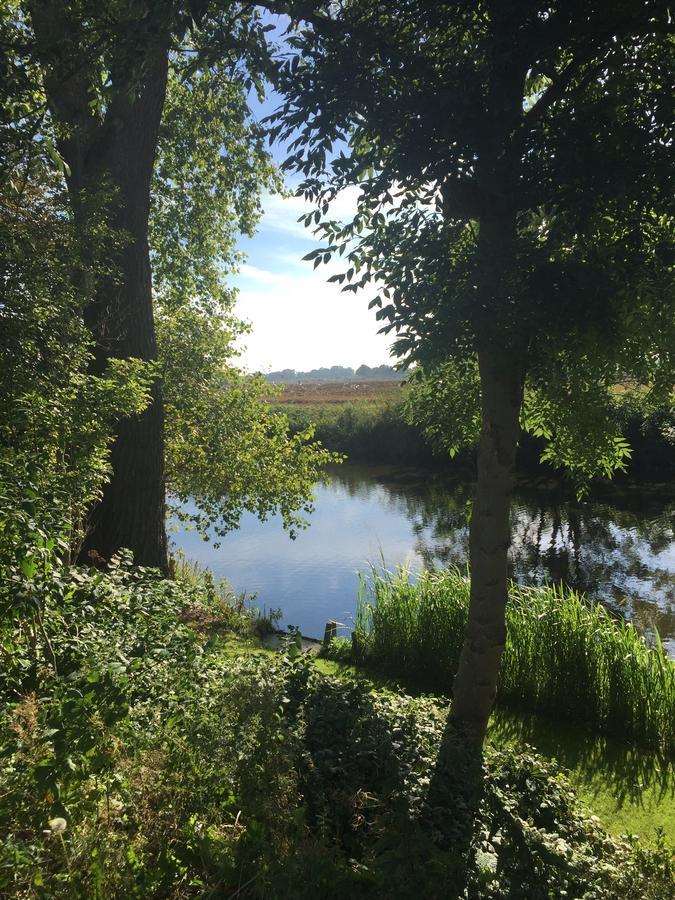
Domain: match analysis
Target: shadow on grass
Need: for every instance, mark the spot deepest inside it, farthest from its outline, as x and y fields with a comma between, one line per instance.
x=629, y=773
x=602, y=764
x=393, y=798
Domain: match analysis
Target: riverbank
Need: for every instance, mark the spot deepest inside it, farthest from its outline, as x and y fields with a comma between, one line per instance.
x=160, y=750
x=631, y=790
x=619, y=550
x=367, y=421
x=564, y=656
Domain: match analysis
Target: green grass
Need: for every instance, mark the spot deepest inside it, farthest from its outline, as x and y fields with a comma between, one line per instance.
x=157, y=749
x=565, y=657
x=373, y=430
x=632, y=791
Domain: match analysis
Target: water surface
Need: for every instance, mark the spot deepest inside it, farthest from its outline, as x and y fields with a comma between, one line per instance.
x=620, y=549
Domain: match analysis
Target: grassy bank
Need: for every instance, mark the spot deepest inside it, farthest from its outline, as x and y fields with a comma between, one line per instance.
x=630, y=789
x=149, y=748
x=564, y=656
x=368, y=423
x=367, y=430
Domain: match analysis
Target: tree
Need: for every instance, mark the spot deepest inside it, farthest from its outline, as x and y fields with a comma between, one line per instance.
x=146, y=116
x=105, y=80
x=57, y=420
x=514, y=220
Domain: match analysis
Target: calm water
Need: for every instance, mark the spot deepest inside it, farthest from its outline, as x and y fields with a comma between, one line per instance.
x=620, y=550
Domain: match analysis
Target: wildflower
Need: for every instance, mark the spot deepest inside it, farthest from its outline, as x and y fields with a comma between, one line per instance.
x=58, y=825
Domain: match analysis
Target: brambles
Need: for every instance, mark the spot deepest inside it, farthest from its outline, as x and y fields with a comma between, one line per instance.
x=152, y=763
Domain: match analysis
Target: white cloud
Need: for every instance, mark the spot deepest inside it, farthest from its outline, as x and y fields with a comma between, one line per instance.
x=300, y=321
x=303, y=323
x=281, y=213
x=264, y=276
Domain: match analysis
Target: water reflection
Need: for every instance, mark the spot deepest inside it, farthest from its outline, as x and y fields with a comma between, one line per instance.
x=619, y=549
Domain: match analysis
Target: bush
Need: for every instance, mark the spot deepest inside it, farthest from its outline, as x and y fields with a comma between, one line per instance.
x=364, y=431
x=57, y=419
x=139, y=759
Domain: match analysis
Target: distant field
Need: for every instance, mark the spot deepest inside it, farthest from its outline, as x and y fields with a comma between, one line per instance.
x=310, y=393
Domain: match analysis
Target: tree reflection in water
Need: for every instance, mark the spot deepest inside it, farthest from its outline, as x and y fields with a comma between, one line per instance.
x=618, y=548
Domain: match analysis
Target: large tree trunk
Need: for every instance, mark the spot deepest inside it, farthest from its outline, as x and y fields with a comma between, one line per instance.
x=132, y=511
x=475, y=684
x=117, y=153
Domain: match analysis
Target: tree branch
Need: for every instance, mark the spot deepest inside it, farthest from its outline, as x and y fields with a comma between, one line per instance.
x=68, y=88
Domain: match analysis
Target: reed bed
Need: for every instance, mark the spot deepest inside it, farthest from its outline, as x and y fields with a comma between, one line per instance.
x=565, y=656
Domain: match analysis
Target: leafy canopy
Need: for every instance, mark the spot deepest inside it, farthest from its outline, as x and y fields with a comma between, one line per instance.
x=406, y=102
x=224, y=446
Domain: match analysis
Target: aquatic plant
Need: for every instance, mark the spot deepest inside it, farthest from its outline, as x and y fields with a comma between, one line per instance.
x=564, y=656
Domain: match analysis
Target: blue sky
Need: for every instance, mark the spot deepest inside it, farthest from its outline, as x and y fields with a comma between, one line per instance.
x=300, y=321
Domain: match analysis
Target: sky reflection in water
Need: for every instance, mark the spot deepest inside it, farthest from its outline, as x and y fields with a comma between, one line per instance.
x=621, y=551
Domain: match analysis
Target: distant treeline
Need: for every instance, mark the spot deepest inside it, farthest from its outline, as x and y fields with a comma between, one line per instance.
x=336, y=373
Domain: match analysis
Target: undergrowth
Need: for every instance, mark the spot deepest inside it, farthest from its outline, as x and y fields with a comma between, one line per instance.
x=138, y=759
x=371, y=431
x=380, y=431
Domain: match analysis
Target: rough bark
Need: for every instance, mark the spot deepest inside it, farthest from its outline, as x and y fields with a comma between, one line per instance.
x=118, y=151
x=132, y=511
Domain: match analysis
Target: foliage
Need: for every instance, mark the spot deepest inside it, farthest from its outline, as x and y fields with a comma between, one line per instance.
x=514, y=215
x=444, y=404
x=372, y=431
x=57, y=419
x=649, y=429
x=564, y=656
x=588, y=276
x=438, y=414
x=335, y=373
x=636, y=434
x=224, y=448
x=140, y=759
x=581, y=434
x=211, y=171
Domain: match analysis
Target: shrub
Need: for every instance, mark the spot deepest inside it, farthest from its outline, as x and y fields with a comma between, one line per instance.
x=141, y=760
x=364, y=431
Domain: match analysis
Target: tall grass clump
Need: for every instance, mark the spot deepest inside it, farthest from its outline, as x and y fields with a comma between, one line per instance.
x=565, y=656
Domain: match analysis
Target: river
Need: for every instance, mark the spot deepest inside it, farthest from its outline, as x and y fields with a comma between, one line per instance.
x=619, y=548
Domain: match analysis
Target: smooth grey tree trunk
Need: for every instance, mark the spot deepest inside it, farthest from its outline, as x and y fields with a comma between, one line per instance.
x=502, y=351
x=475, y=683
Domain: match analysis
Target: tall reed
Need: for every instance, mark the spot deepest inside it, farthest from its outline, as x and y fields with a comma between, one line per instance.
x=565, y=656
